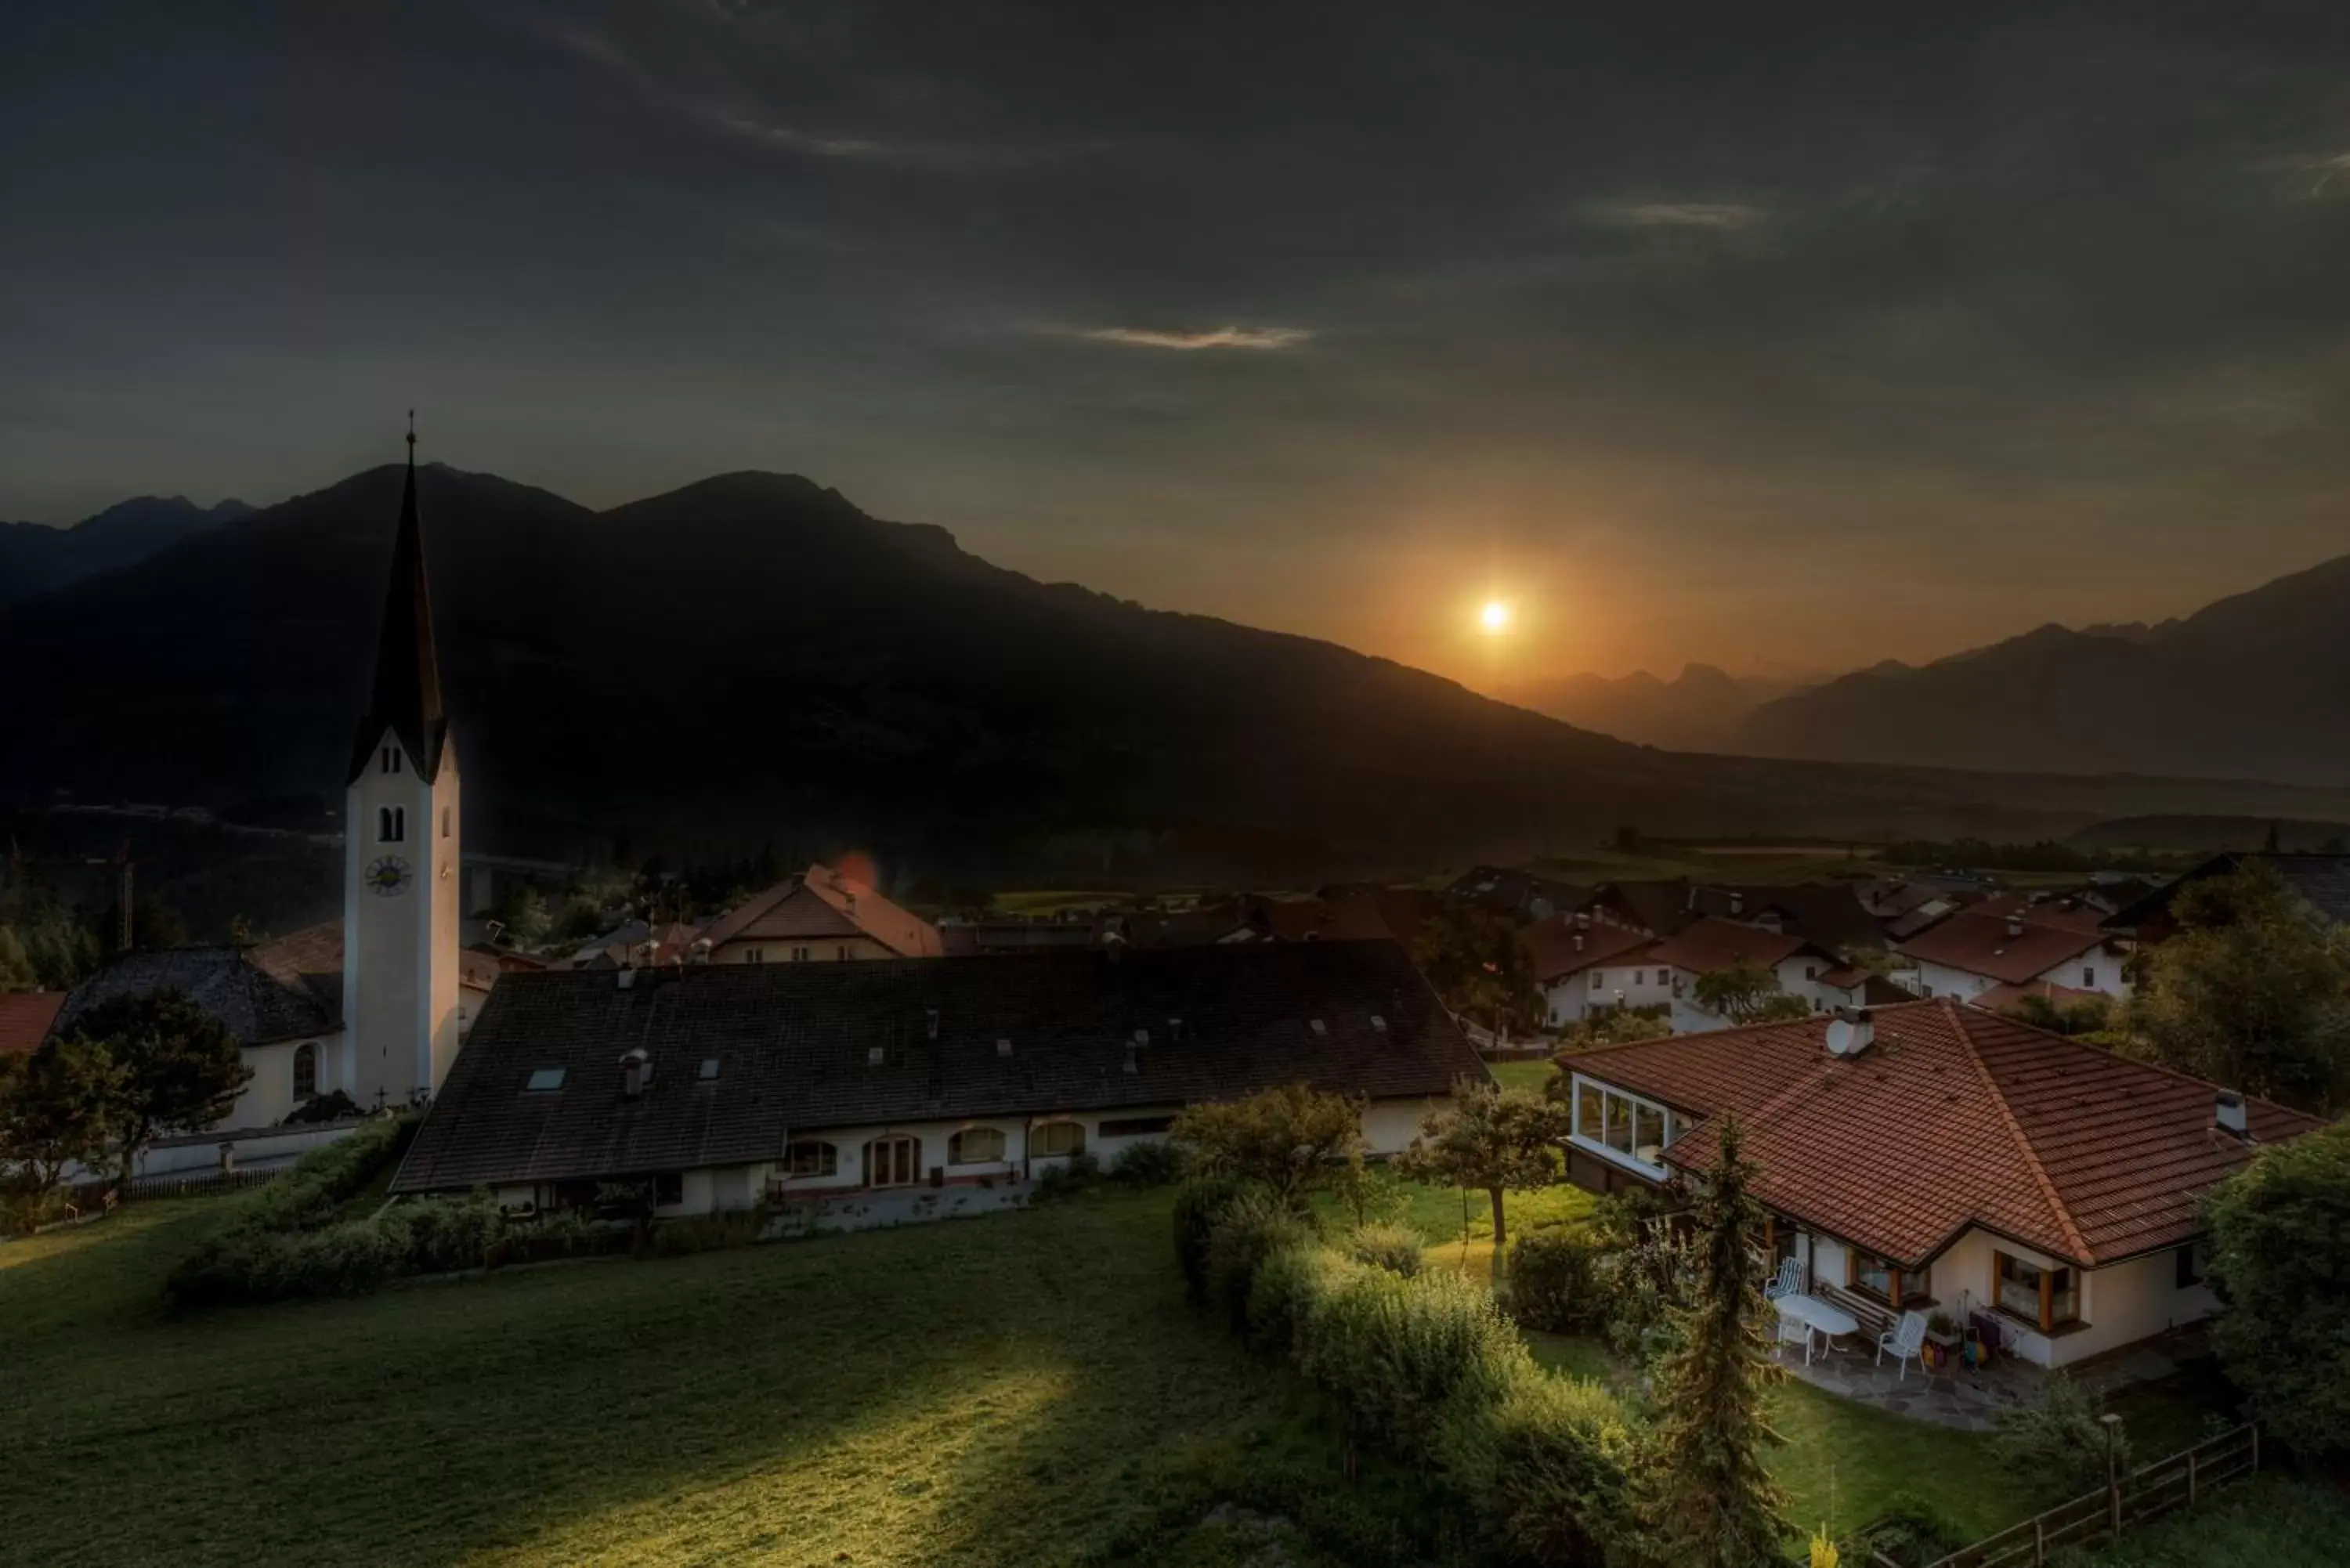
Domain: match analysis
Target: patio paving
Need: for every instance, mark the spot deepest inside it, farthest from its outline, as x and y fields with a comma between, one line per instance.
x=1971, y=1401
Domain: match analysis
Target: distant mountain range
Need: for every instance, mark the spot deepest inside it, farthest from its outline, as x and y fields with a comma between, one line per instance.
x=2254, y=686
x=752, y=658
x=36, y=558
x=1698, y=710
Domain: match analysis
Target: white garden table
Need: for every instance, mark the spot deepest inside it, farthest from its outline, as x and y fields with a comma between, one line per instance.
x=1818, y=1317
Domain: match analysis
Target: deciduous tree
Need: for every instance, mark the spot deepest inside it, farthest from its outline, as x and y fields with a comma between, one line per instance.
x=1479, y=962
x=1290, y=1138
x=1708, y=1502
x=181, y=1068
x=2251, y=993
x=58, y=1106
x=1746, y=992
x=1492, y=1139
x=2280, y=1253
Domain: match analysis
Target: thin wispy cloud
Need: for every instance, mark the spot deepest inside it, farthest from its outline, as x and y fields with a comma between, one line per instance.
x=2320, y=179
x=1725, y=217
x=1256, y=337
x=790, y=140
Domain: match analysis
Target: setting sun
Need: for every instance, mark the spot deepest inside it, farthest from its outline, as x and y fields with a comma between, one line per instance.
x=1495, y=616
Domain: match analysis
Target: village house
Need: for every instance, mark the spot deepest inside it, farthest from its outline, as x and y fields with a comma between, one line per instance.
x=1935, y=1156
x=2320, y=883
x=714, y=1087
x=1586, y=968
x=24, y=1020
x=2018, y=940
x=1708, y=946
x=821, y=916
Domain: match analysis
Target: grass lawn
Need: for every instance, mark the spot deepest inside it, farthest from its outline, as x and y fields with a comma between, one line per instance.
x=1027, y=1386
x=1531, y=1075
x=2270, y=1521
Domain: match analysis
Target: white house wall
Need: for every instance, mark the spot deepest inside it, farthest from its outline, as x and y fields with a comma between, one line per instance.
x=268, y=1098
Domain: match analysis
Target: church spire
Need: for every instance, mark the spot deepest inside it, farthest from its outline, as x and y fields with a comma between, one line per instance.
x=407, y=700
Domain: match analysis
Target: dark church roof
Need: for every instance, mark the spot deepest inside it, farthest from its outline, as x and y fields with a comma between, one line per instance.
x=793, y=1045
x=259, y=995
x=407, y=700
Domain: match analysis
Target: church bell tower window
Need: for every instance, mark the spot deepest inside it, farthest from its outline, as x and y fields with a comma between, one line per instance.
x=391, y=824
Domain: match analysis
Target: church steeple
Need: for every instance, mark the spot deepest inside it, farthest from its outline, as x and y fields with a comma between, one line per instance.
x=407, y=700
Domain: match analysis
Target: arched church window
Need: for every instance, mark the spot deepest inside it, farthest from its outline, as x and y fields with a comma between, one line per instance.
x=391, y=824
x=305, y=1070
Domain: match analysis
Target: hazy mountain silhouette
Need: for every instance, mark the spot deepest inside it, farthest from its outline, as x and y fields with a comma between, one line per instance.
x=34, y=559
x=752, y=657
x=1698, y=710
x=2254, y=686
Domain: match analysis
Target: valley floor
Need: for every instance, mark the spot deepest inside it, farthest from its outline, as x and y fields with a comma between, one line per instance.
x=1027, y=1387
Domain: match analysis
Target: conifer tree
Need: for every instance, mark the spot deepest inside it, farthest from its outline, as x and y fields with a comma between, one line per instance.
x=1708, y=1502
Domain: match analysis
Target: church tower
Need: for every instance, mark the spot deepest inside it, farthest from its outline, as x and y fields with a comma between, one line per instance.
x=400, y=852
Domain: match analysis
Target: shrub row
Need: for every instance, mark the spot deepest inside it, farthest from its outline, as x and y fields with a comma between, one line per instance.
x=1426, y=1364
x=246, y=1264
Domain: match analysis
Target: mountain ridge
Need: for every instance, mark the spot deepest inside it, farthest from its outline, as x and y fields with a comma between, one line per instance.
x=753, y=657
x=36, y=558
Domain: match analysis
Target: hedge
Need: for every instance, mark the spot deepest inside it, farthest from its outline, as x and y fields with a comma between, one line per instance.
x=1431, y=1368
x=1554, y=1282
x=1395, y=1248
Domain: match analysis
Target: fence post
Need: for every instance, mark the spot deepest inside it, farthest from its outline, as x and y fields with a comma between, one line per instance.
x=2190, y=1478
x=2256, y=1448
x=2113, y=1425
x=2039, y=1540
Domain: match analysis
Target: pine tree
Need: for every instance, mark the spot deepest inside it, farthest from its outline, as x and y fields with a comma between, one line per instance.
x=1710, y=1503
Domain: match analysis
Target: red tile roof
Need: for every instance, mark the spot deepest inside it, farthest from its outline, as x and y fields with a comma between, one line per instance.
x=1714, y=944
x=824, y=903
x=1953, y=1117
x=25, y=1019
x=1557, y=953
x=1983, y=944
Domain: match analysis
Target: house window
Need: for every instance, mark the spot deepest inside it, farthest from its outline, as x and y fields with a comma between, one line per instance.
x=391, y=824
x=975, y=1145
x=841, y=952
x=1598, y=980
x=1136, y=1126
x=1640, y=977
x=799, y=955
x=1634, y=1129
x=669, y=1187
x=811, y=1157
x=1876, y=1277
x=1053, y=1139
x=893, y=1162
x=2049, y=1297
x=2088, y=976
x=305, y=1070
x=547, y=1080
x=2194, y=1262
x=754, y=955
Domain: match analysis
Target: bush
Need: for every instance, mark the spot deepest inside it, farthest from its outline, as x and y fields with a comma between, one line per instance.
x=1199, y=1204
x=2059, y=1441
x=2280, y=1253
x=1555, y=1283
x=704, y=1233
x=1395, y=1248
x=1292, y=1284
x=1253, y=1226
x=1552, y=1458
x=1154, y=1164
x=1398, y=1351
x=245, y=1265
x=338, y=1106
x=23, y=1208
x=323, y=1179
x=1913, y=1533
x=1072, y=1176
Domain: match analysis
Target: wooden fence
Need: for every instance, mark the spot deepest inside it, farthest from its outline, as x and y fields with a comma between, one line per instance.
x=199, y=1181
x=2145, y=1493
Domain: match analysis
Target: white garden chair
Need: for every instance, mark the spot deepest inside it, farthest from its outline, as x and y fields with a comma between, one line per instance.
x=1907, y=1338
x=1790, y=1281
x=1792, y=1332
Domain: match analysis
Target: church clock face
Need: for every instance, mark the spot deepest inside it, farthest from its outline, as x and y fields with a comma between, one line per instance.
x=387, y=877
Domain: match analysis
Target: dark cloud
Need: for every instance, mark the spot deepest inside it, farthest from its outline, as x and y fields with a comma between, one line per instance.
x=1755, y=334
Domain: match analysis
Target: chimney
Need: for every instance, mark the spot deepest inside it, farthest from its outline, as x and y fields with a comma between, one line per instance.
x=1852, y=1031
x=636, y=1071
x=1175, y=1030
x=1578, y=942
x=627, y=977
x=1737, y=903
x=930, y=1022
x=700, y=952
x=2228, y=1116
x=1133, y=1057
x=2015, y=925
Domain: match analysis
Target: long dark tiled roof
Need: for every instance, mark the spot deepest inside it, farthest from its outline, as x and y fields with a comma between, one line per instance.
x=792, y=1043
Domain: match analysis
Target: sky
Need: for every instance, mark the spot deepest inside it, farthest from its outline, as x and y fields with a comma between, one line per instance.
x=1783, y=338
